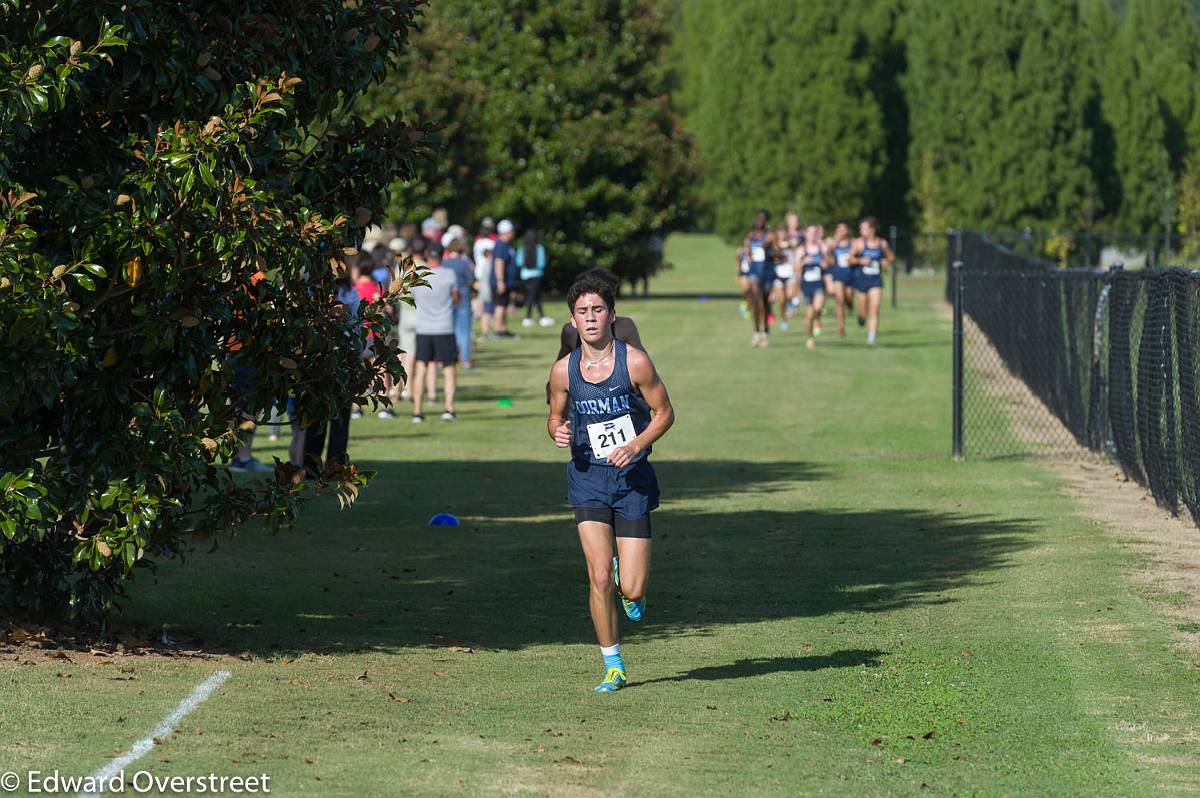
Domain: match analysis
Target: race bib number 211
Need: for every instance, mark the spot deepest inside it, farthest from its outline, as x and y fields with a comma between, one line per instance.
x=608, y=435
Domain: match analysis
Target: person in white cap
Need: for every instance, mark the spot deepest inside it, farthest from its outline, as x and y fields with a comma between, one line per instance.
x=504, y=275
x=485, y=241
x=452, y=232
x=431, y=231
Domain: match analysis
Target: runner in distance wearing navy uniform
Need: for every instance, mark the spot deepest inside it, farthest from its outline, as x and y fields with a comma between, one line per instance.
x=760, y=243
x=872, y=253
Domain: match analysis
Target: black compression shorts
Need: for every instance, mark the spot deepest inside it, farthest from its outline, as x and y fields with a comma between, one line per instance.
x=622, y=527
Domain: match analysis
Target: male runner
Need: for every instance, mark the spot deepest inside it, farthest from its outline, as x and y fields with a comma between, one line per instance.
x=609, y=406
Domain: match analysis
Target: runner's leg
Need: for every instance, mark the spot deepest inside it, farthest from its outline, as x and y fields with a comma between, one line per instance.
x=596, y=539
x=449, y=385
x=874, y=300
x=634, y=556
x=418, y=389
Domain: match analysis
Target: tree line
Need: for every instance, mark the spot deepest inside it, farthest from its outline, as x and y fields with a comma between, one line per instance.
x=995, y=114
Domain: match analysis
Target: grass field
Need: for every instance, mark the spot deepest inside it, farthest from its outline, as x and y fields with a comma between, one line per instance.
x=835, y=608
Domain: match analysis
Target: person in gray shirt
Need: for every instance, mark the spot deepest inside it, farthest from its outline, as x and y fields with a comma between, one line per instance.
x=435, y=333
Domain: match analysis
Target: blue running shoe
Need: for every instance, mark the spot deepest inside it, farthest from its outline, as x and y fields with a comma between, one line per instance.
x=633, y=609
x=614, y=680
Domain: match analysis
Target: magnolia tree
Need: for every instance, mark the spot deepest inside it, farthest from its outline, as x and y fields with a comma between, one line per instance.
x=179, y=184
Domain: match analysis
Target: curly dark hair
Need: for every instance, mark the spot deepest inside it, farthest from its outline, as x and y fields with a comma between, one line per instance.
x=589, y=284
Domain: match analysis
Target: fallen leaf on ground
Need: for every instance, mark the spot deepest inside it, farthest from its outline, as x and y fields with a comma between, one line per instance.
x=400, y=699
x=782, y=718
x=362, y=677
x=900, y=760
x=463, y=649
x=878, y=741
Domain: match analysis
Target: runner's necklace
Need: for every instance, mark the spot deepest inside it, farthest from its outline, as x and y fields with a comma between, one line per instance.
x=591, y=364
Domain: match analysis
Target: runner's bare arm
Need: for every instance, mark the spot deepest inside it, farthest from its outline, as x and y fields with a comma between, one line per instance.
x=645, y=378
x=499, y=265
x=558, y=425
x=856, y=248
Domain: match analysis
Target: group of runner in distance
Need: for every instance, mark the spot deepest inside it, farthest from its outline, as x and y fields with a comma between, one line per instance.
x=775, y=268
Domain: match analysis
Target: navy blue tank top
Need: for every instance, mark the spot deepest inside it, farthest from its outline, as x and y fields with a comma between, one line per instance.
x=603, y=402
x=842, y=256
x=758, y=247
x=873, y=255
x=811, y=264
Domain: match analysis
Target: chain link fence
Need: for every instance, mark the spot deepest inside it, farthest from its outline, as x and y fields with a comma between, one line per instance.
x=1078, y=363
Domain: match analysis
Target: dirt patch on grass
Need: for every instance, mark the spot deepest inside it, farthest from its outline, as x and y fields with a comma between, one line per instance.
x=34, y=644
x=1169, y=546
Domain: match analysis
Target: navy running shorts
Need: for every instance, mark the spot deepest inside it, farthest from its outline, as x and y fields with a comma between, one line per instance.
x=762, y=273
x=865, y=282
x=631, y=492
x=843, y=275
x=811, y=290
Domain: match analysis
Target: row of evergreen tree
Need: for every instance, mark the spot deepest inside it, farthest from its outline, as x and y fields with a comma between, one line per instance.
x=999, y=114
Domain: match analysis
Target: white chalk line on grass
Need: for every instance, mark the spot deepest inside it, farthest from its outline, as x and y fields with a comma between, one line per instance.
x=162, y=730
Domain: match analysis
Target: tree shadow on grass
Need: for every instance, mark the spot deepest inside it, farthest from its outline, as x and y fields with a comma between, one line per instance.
x=378, y=579
x=762, y=666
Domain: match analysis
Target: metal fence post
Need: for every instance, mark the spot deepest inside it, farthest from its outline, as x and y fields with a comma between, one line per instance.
x=956, y=444
x=895, y=271
x=1027, y=233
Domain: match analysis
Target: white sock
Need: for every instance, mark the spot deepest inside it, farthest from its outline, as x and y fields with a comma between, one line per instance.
x=870, y=337
x=611, y=651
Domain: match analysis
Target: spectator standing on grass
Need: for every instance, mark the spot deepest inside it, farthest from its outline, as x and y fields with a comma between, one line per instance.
x=531, y=260
x=406, y=323
x=370, y=290
x=243, y=382
x=435, y=303
x=456, y=261
x=481, y=251
x=504, y=275
x=338, y=428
